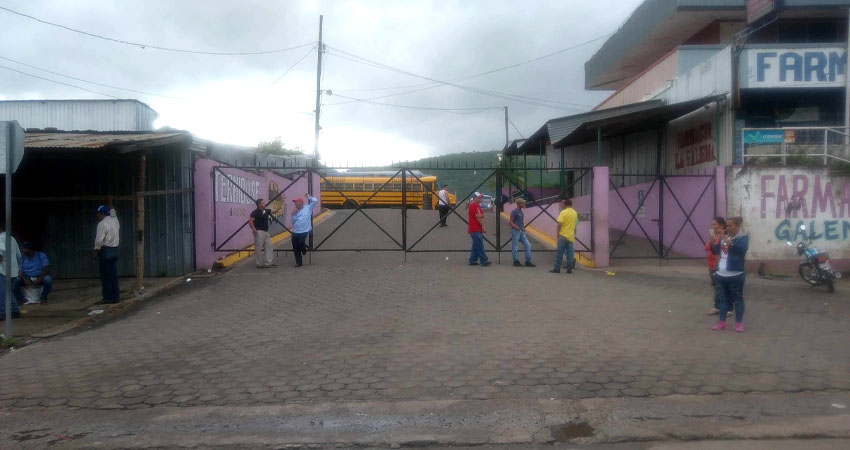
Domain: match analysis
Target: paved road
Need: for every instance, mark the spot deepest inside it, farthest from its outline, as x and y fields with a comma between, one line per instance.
x=366, y=327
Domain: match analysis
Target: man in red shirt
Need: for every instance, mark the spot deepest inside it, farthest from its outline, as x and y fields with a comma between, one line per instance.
x=476, y=232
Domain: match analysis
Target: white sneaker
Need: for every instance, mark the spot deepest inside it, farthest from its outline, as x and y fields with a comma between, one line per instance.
x=30, y=302
x=713, y=312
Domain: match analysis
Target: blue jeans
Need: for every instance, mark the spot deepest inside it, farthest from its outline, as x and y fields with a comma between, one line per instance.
x=15, y=307
x=299, y=246
x=517, y=237
x=46, y=286
x=108, y=259
x=565, y=247
x=477, y=254
x=730, y=292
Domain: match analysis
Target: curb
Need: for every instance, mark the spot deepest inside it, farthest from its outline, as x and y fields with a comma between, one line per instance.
x=118, y=308
x=234, y=258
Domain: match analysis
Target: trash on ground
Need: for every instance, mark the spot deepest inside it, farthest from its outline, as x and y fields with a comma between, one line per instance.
x=610, y=274
x=95, y=312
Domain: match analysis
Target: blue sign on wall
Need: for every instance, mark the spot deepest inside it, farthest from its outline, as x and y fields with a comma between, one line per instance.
x=764, y=136
x=794, y=67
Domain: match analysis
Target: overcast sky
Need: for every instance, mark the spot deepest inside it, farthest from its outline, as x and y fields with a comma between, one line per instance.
x=231, y=99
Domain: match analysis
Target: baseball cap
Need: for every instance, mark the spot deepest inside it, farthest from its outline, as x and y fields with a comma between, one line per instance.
x=298, y=199
x=27, y=244
x=103, y=209
x=479, y=195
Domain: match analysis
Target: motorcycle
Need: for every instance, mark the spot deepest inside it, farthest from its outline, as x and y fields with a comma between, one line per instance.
x=816, y=270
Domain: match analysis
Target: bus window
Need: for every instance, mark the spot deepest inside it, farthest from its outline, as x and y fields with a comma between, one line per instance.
x=368, y=187
x=358, y=186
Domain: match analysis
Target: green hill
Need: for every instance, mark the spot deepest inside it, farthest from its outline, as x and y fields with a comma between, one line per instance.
x=479, y=166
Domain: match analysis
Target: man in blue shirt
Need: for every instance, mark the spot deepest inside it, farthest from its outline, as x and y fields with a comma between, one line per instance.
x=302, y=224
x=34, y=271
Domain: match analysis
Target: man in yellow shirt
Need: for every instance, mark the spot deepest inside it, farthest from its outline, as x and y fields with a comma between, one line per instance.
x=567, y=221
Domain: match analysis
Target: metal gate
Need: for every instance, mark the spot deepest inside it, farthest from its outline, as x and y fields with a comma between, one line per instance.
x=409, y=241
x=661, y=218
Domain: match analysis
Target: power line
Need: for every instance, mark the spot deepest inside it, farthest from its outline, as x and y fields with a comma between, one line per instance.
x=58, y=82
x=90, y=82
x=510, y=66
x=502, y=95
x=155, y=47
x=515, y=128
x=478, y=109
x=291, y=67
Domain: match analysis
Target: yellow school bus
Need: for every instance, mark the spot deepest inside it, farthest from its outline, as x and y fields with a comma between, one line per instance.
x=359, y=186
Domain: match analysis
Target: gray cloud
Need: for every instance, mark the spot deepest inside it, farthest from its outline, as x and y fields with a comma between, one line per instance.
x=440, y=39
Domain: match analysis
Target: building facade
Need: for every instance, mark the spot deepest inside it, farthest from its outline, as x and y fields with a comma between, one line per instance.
x=749, y=86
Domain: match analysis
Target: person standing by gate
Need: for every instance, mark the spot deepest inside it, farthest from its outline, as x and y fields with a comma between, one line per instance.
x=15, y=252
x=732, y=251
x=517, y=224
x=476, y=231
x=718, y=228
x=302, y=225
x=443, y=204
x=259, y=223
x=106, y=246
x=567, y=221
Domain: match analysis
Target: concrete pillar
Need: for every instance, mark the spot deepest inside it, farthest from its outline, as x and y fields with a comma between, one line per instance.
x=601, y=241
x=720, y=191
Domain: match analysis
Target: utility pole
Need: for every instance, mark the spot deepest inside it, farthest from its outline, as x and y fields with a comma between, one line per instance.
x=318, y=90
x=315, y=164
x=507, y=141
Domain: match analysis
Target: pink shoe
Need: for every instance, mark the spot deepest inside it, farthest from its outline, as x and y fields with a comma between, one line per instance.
x=719, y=327
x=739, y=327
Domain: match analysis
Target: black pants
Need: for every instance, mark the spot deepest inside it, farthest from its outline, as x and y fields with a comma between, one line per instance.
x=444, y=213
x=108, y=259
x=299, y=246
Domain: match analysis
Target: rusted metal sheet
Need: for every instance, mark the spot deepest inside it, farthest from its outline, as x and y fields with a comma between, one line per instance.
x=50, y=140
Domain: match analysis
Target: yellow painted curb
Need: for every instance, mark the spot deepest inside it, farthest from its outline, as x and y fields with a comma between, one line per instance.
x=234, y=258
x=552, y=243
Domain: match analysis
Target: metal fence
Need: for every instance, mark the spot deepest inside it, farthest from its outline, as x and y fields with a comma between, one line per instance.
x=410, y=241
x=795, y=145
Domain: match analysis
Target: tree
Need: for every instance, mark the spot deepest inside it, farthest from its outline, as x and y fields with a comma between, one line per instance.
x=276, y=147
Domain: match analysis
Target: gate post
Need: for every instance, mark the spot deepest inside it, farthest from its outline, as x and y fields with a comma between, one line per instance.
x=404, y=211
x=599, y=214
x=498, y=213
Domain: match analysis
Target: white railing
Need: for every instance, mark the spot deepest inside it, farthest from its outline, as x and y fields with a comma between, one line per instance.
x=791, y=143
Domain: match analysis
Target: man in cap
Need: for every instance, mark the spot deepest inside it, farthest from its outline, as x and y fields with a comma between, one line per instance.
x=259, y=222
x=106, y=246
x=476, y=231
x=16, y=256
x=34, y=271
x=517, y=224
x=302, y=224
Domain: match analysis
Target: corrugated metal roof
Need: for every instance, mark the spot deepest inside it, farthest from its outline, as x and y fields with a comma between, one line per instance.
x=556, y=129
x=626, y=120
x=61, y=140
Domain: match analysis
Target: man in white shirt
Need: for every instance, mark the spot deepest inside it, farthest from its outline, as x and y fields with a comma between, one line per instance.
x=443, y=204
x=106, y=245
x=16, y=257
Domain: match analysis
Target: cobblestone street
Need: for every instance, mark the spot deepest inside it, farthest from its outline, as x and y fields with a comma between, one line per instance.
x=364, y=326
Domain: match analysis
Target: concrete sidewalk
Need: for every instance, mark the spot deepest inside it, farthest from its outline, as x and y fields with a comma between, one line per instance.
x=72, y=302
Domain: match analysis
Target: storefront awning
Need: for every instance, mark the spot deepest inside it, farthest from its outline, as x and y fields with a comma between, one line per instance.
x=650, y=117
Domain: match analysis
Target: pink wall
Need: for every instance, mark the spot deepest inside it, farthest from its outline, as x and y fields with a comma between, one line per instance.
x=549, y=227
x=221, y=208
x=687, y=190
